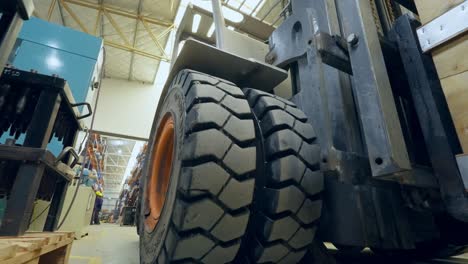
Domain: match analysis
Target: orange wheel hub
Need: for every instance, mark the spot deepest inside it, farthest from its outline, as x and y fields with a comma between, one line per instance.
x=160, y=171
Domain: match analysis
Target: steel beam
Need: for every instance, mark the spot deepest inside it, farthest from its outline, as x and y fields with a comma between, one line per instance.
x=61, y=13
x=136, y=51
x=166, y=31
x=115, y=11
x=51, y=9
x=154, y=38
x=380, y=122
x=130, y=71
x=96, y=24
x=74, y=16
x=116, y=27
x=107, y=11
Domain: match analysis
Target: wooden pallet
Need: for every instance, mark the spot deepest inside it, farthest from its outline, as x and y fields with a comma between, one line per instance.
x=36, y=247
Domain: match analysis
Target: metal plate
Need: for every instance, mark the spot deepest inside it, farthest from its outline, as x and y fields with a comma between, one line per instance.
x=462, y=161
x=376, y=106
x=444, y=28
x=202, y=57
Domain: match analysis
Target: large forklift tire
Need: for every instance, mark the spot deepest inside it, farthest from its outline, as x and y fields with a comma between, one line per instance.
x=287, y=197
x=199, y=177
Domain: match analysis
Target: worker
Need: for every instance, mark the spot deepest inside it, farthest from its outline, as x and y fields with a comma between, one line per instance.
x=97, y=207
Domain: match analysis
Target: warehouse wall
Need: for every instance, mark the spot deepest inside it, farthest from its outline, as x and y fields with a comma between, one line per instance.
x=126, y=108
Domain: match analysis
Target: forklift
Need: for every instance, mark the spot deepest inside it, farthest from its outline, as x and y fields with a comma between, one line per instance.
x=335, y=129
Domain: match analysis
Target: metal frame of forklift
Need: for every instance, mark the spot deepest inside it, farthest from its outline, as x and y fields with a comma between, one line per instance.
x=388, y=141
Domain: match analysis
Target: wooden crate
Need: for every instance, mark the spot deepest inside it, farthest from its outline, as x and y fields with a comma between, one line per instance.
x=451, y=61
x=36, y=247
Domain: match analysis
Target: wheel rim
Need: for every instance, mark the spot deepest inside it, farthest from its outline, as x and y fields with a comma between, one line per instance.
x=160, y=172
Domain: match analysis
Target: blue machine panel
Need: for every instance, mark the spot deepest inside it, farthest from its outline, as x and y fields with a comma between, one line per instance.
x=62, y=63
x=61, y=38
x=53, y=49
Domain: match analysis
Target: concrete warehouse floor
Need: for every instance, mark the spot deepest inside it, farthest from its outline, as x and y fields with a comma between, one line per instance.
x=106, y=244
x=114, y=244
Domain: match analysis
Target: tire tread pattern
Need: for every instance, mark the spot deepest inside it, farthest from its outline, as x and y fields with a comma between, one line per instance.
x=290, y=205
x=216, y=184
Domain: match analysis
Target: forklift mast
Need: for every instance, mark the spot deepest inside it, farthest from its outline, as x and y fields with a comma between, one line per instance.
x=388, y=141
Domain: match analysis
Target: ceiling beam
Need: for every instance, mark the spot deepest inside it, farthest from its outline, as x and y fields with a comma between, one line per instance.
x=136, y=51
x=74, y=16
x=97, y=22
x=116, y=27
x=115, y=11
x=109, y=42
x=104, y=10
x=154, y=38
x=51, y=9
x=130, y=71
x=61, y=13
x=101, y=19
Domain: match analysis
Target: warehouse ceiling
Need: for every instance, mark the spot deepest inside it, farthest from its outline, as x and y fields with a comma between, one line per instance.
x=136, y=32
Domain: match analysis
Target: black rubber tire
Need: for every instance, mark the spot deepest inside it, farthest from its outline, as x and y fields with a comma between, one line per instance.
x=205, y=214
x=287, y=197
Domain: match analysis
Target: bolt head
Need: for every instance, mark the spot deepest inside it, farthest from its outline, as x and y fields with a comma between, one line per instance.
x=352, y=39
x=270, y=58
